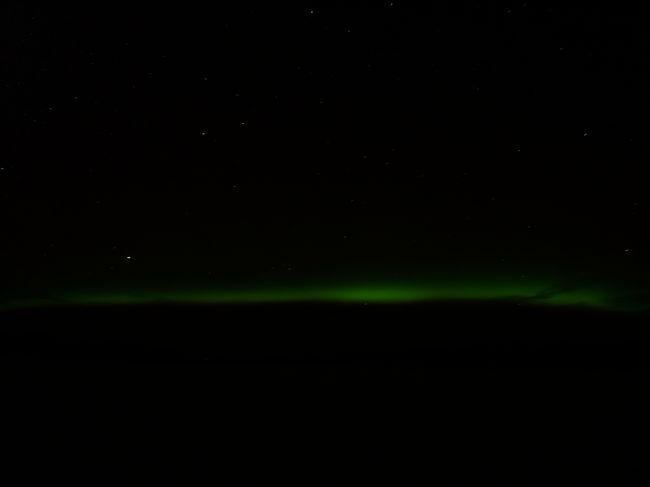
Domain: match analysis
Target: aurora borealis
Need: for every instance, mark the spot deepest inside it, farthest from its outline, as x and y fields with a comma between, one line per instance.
x=516, y=293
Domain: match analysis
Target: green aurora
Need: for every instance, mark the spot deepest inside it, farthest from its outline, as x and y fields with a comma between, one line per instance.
x=517, y=292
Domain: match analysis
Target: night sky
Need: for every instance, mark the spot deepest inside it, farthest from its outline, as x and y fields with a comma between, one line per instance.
x=337, y=151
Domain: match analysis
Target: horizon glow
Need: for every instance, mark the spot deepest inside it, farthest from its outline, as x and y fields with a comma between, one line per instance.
x=538, y=294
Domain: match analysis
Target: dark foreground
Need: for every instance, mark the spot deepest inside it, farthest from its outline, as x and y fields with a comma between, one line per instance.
x=328, y=395
x=458, y=334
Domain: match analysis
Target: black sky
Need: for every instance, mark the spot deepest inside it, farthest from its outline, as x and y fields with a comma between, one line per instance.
x=182, y=143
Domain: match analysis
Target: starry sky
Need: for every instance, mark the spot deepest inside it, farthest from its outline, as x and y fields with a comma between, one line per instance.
x=351, y=149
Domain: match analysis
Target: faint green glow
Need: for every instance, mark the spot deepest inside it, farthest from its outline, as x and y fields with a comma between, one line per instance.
x=517, y=292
